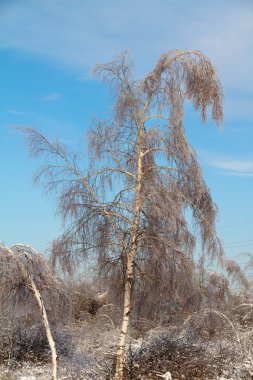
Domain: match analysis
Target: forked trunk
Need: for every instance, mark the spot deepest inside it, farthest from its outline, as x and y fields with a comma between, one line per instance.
x=50, y=338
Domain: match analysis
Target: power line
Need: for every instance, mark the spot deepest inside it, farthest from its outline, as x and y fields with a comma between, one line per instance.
x=238, y=246
x=237, y=242
x=235, y=225
x=242, y=255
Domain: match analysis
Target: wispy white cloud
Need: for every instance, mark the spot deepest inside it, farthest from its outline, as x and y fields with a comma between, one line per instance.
x=228, y=41
x=79, y=33
x=17, y=113
x=53, y=97
x=229, y=165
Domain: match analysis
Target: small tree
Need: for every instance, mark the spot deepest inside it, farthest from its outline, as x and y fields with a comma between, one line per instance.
x=129, y=207
x=25, y=272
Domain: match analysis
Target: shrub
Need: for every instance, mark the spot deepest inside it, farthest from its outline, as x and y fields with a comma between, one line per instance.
x=23, y=341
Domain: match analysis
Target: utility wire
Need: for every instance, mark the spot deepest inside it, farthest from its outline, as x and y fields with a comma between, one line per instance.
x=237, y=242
x=238, y=246
x=235, y=225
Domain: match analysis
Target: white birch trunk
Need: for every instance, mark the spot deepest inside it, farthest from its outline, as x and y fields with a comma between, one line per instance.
x=126, y=315
x=131, y=258
x=50, y=339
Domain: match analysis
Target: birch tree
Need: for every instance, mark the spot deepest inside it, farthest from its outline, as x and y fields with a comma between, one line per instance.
x=129, y=207
x=24, y=271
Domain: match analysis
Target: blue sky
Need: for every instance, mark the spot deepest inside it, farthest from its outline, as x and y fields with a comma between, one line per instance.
x=47, y=51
